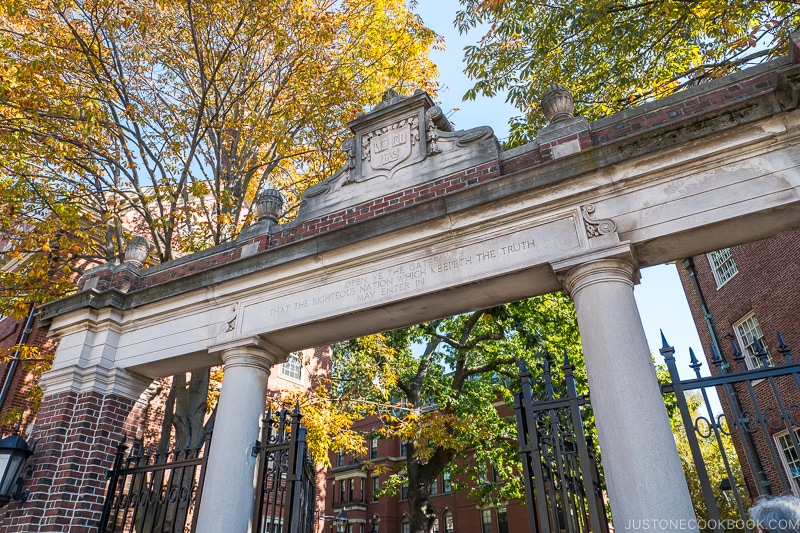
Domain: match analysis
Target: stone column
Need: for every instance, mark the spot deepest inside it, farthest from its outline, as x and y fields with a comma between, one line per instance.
x=227, y=499
x=645, y=481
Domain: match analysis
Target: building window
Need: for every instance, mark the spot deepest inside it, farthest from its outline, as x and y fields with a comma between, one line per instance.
x=340, y=459
x=376, y=484
x=404, y=491
x=486, y=521
x=790, y=456
x=502, y=520
x=292, y=368
x=434, y=487
x=446, y=482
x=483, y=476
x=436, y=526
x=373, y=448
x=748, y=329
x=448, y=523
x=276, y=523
x=352, y=486
x=405, y=526
x=342, y=491
x=403, y=448
x=722, y=265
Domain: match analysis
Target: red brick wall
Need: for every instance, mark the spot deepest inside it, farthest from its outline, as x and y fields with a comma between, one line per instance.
x=766, y=284
x=75, y=436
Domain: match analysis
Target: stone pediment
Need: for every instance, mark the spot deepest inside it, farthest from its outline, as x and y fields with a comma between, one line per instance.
x=402, y=142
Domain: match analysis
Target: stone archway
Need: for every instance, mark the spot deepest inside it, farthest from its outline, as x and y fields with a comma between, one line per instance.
x=424, y=222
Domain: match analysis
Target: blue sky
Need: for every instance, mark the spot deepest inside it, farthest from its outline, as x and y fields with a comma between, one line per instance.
x=660, y=297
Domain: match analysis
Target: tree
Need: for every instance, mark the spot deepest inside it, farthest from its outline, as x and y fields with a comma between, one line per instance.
x=164, y=118
x=614, y=54
x=434, y=386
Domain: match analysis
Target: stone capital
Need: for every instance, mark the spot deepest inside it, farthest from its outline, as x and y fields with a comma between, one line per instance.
x=253, y=352
x=615, y=263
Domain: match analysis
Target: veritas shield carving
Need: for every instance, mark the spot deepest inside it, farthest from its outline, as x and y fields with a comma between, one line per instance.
x=391, y=148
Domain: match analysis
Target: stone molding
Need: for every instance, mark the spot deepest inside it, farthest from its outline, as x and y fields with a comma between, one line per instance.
x=100, y=379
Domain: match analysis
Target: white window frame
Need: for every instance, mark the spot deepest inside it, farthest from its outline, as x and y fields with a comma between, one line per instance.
x=292, y=368
x=446, y=486
x=373, y=448
x=448, y=522
x=790, y=458
x=722, y=265
x=486, y=525
x=745, y=329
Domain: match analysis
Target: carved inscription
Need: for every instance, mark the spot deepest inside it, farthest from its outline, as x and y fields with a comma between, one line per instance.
x=405, y=278
x=391, y=147
x=388, y=146
x=412, y=276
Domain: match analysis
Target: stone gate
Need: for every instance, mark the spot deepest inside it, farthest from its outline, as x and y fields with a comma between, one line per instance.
x=424, y=222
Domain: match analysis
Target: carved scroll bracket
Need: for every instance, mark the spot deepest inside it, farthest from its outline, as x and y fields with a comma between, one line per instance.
x=594, y=227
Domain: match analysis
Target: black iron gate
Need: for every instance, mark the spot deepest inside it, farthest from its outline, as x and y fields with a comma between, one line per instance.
x=563, y=491
x=287, y=484
x=155, y=491
x=758, y=412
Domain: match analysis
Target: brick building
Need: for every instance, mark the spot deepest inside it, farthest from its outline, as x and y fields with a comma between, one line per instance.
x=738, y=294
x=353, y=483
x=17, y=378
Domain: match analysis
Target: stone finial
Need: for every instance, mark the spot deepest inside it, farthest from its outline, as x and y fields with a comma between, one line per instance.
x=136, y=251
x=389, y=97
x=268, y=205
x=557, y=103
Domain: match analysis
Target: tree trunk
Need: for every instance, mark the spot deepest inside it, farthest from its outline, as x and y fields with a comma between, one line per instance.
x=423, y=512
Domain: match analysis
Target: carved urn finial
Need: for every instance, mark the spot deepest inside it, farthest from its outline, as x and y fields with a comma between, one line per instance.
x=557, y=103
x=268, y=205
x=136, y=251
